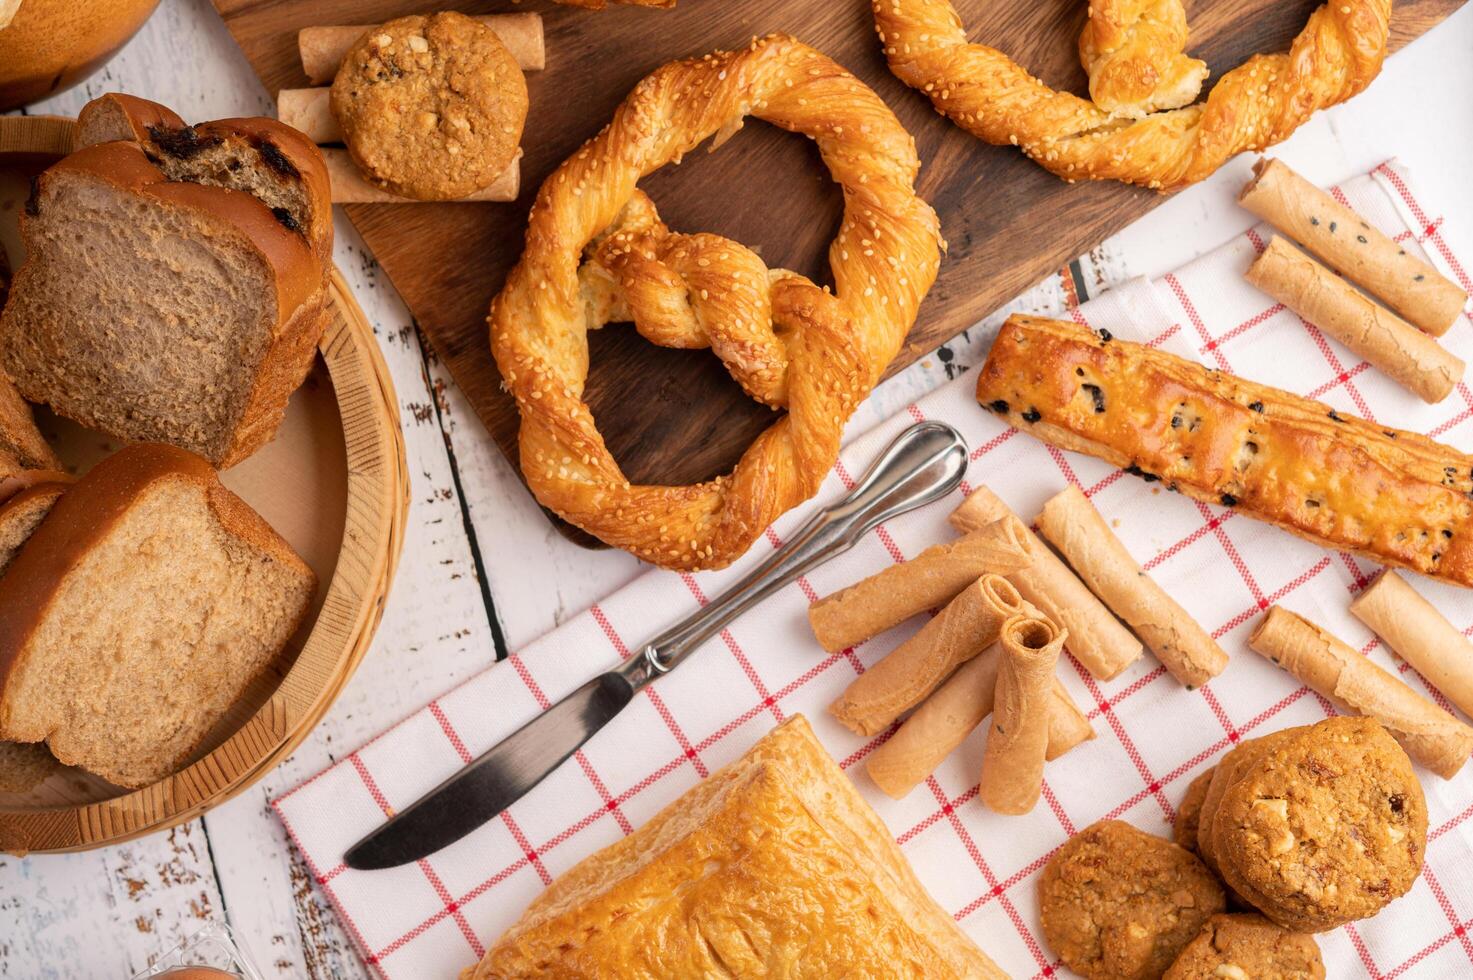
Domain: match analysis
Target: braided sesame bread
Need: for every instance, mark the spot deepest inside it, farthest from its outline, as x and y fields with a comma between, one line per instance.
x=1133, y=52
x=175, y=282
x=597, y=252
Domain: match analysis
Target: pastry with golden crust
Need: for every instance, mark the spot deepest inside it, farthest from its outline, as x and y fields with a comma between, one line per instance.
x=1394, y=496
x=773, y=866
x=1257, y=104
x=792, y=343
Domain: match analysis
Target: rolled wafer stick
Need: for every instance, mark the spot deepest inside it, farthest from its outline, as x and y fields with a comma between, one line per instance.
x=946, y=718
x=904, y=677
x=1017, y=742
x=349, y=187
x=322, y=48
x=1420, y=634
x=930, y=579
x=1096, y=638
x=1070, y=523
x=1347, y=243
x=309, y=110
x=1399, y=350
x=1430, y=735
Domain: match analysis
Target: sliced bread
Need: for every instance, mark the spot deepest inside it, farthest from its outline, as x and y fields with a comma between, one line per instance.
x=23, y=765
x=175, y=284
x=139, y=611
x=20, y=441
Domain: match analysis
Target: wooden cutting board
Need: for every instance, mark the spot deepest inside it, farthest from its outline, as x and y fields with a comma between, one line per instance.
x=675, y=416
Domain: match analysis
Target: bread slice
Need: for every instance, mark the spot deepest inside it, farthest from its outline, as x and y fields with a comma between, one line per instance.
x=24, y=765
x=139, y=611
x=175, y=285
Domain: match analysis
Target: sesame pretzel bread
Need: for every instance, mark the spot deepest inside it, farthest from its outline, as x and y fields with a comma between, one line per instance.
x=1132, y=51
x=790, y=343
x=1257, y=104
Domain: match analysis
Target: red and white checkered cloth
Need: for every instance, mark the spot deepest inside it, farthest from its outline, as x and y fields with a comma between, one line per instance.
x=431, y=918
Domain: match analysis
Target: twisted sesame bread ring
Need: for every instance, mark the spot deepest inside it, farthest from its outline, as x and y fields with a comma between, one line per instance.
x=1132, y=51
x=1251, y=107
x=790, y=343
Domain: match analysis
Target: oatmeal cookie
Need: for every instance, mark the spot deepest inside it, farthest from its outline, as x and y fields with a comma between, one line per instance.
x=1248, y=947
x=431, y=107
x=1120, y=904
x=1327, y=827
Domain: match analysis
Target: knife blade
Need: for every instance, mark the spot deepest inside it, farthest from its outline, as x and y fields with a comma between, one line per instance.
x=496, y=779
x=923, y=463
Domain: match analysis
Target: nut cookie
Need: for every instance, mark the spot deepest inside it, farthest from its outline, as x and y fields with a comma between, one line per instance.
x=431, y=107
x=1189, y=814
x=1247, y=947
x=1327, y=827
x=1120, y=904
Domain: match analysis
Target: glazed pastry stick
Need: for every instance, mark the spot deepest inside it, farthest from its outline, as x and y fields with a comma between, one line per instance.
x=946, y=718
x=349, y=187
x=1430, y=735
x=1399, y=350
x=322, y=48
x=930, y=579
x=1420, y=634
x=969, y=624
x=1070, y=523
x=1348, y=244
x=1096, y=638
x=1017, y=743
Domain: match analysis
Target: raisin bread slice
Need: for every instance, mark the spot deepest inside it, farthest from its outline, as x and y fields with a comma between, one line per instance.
x=175, y=285
x=139, y=611
x=24, y=765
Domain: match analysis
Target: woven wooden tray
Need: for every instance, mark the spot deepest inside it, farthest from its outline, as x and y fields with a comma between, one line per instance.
x=333, y=482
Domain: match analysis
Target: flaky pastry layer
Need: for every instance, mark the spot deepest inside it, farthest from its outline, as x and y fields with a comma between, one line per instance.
x=772, y=866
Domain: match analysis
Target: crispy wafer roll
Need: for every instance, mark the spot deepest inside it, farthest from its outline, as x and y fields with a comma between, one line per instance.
x=930, y=579
x=946, y=718
x=1017, y=742
x=322, y=48
x=1348, y=244
x=1423, y=637
x=349, y=187
x=1070, y=523
x=1096, y=638
x=901, y=680
x=1399, y=350
x=309, y=110
x=1430, y=735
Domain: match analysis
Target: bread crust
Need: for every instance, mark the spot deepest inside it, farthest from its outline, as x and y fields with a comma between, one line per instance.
x=1341, y=482
x=82, y=518
x=124, y=140
x=783, y=812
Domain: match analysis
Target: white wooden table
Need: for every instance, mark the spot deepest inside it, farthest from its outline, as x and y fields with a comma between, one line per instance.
x=106, y=913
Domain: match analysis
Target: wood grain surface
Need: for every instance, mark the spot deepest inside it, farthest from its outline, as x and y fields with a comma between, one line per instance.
x=675, y=416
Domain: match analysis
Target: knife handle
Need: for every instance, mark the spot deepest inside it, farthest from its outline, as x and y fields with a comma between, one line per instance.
x=923, y=464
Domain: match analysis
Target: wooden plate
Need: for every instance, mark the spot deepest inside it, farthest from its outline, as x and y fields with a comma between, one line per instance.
x=1009, y=223
x=333, y=483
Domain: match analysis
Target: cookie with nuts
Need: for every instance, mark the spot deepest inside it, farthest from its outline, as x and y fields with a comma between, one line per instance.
x=1120, y=904
x=1327, y=826
x=431, y=107
x=1247, y=947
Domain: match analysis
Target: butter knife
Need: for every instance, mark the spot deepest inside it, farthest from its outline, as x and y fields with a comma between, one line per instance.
x=924, y=463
